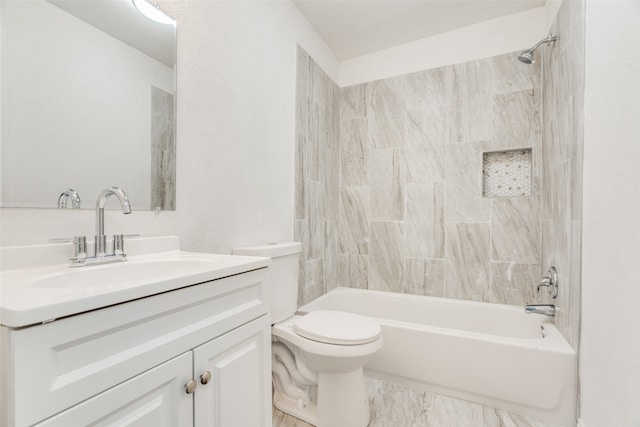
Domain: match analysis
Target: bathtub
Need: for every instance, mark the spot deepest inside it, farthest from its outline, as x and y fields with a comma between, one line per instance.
x=491, y=354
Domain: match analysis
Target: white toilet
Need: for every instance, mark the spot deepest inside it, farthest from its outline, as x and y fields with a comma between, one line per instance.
x=317, y=358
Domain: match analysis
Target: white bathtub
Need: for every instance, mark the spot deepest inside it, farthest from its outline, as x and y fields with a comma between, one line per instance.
x=492, y=354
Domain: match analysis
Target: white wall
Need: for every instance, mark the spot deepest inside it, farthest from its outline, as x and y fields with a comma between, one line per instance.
x=235, y=131
x=610, y=339
x=77, y=100
x=490, y=38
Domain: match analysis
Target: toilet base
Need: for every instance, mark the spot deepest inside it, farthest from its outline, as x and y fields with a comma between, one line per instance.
x=287, y=405
x=342, y=399
x=337, y=399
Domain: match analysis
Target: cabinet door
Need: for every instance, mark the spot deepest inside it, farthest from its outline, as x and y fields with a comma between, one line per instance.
x=238, y=393
x=155, y=398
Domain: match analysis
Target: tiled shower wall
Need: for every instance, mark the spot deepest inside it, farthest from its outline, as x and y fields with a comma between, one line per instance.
x=563, y=145
x=412, y=215
x=317, y=178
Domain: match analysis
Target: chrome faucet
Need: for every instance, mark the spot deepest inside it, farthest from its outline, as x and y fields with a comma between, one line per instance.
x=100, y=238
x=66, y=195
x=551, y=282
x=100, y=254
x=546, y=309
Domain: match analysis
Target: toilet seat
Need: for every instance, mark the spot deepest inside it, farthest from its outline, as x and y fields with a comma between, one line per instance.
x=336, y=327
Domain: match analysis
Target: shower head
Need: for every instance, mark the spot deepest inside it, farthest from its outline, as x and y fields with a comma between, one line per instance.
x=527, y=55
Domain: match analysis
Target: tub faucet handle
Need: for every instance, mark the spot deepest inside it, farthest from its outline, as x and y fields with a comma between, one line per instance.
x=550, y=281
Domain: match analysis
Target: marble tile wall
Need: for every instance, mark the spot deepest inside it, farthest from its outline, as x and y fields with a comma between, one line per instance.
x=412, y=216
x=562, y=153
x=163, y=150
x=317, y=178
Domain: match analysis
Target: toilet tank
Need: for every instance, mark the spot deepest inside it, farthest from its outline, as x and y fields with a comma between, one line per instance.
x=282, y=275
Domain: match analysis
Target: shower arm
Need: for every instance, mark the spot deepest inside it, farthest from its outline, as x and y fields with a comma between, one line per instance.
x=549, y=39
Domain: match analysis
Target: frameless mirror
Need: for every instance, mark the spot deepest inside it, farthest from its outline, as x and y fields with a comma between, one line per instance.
x=88, y=102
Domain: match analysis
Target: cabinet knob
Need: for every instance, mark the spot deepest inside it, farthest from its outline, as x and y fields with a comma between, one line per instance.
x=190, y=387
x=205, y=377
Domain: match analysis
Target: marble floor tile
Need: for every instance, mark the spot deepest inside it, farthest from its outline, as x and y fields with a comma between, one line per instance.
x=396, y=406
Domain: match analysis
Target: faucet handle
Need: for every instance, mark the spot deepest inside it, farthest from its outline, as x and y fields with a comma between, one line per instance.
x=551, y=282
x=79, y=245
x=118, y=243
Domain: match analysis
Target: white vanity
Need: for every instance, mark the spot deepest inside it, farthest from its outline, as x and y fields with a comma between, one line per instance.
x=167, y=338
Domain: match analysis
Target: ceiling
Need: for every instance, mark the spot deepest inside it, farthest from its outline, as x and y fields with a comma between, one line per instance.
x=353, y=28
x=120, y=19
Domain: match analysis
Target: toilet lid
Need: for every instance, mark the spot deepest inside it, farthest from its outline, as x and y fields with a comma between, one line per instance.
x=337, y=327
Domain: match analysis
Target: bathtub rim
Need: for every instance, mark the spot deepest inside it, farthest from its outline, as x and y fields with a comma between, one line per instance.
x=553, y=340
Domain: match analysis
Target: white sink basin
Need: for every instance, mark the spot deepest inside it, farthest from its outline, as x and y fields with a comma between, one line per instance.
x=43, y=293
x=126, y=274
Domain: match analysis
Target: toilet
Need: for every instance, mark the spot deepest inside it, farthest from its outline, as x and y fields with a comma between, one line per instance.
x=317, y=358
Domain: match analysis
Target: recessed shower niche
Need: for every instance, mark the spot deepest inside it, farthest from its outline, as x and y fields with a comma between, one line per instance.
x=507, y=173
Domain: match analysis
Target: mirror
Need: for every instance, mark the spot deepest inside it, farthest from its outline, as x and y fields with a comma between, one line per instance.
x=88, y=102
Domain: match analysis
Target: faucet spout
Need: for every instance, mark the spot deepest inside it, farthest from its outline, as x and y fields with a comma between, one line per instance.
x=546, y=309
x=100, y=203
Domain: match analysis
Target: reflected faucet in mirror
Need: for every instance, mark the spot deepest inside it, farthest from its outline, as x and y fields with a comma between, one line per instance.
x=67, y=195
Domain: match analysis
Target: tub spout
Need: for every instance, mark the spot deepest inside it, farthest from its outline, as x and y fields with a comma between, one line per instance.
x=546, y=309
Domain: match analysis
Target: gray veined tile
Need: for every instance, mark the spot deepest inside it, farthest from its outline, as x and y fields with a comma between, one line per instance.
x=428, y=89
x=577, y=155
x=353, y=271
x=386, y=259
x=386, y=182
x=388, y=96
x=280, y=419
x=299, y=165
x=515, y=230
x=426, y=138
x=556, y=197
x=555, y=249
x=301, y=234
x=425, y=220
x=331, y=256
x=479, y=99
x=315, y=218
x=392, y=405
x=464, y=201
x=514, y=284
x=516, y=120
x=480, y=120
x=313, y=285
x=387, y=112
x=424, y=276
x=329, y=172
x=467, y=265
x=315, y=129
x=387, y=130
x=354, y=220
x=302, y=90
x=319, y=84
x=353, y=102
x=449, y=412
x=479, y=75
x=511, y=75
x=354, y=152
x=457, y=123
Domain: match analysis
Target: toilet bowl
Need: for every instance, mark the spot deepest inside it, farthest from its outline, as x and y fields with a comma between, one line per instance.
x=317, y=358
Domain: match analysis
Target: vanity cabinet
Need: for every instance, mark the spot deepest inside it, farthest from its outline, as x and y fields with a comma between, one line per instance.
x=129, y=364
